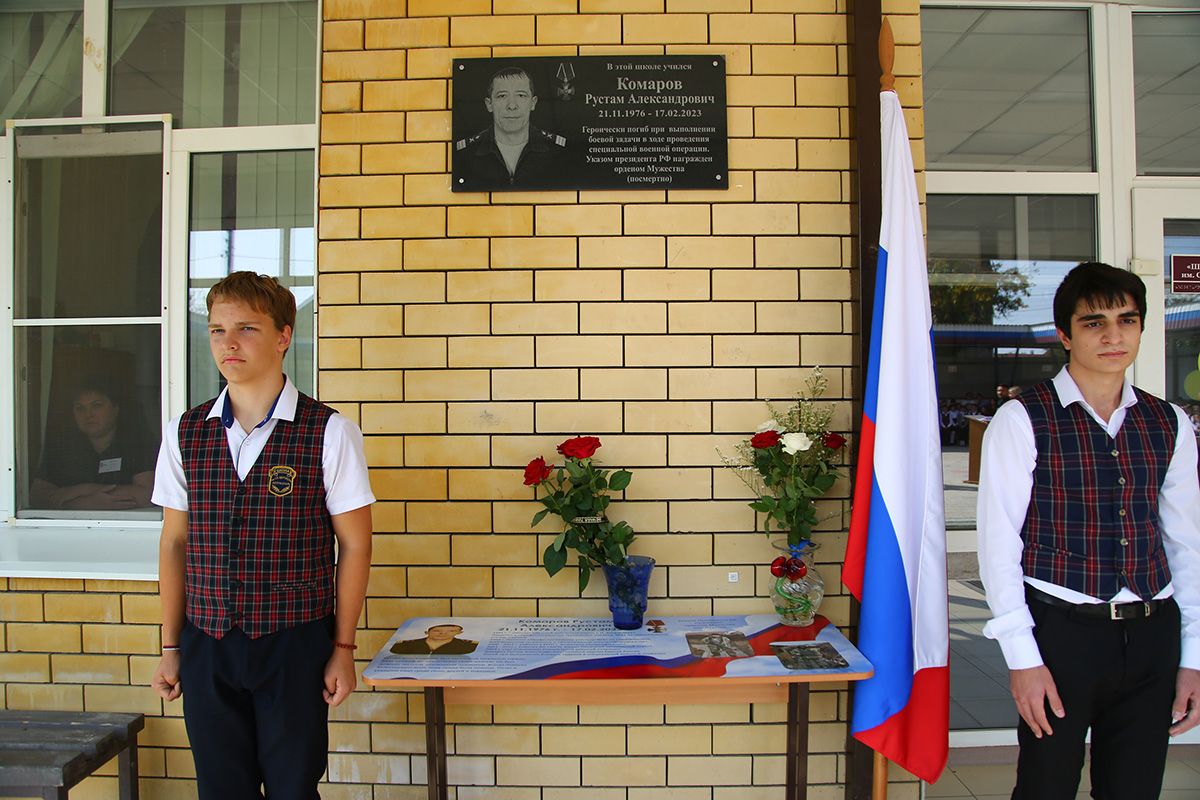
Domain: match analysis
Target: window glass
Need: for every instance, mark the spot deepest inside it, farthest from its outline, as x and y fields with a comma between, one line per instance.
x=78, y=254
x=214, y=65
x=994, y=264
x=1181, y=254
x=41, y=59
x=1166, y=76
x=1007, y=89
x=250, y=211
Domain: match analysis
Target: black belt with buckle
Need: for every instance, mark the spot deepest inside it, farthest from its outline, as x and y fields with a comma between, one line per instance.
x=1139, y=609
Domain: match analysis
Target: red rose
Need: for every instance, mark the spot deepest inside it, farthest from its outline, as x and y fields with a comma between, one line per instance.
x=537, y=471
x=579, y=447
x=833, y=440
x=766, y=439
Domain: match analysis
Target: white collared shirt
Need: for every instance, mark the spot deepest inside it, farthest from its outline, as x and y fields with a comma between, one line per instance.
x=1005, y=486
x=347, y=485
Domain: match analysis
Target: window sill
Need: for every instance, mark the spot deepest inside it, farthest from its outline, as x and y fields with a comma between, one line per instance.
x=79, y=551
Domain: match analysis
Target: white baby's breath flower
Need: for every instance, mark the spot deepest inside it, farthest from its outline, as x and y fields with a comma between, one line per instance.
x=795, y=443
x=769, y=425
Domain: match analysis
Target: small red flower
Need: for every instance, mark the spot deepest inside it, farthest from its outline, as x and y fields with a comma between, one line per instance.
x=795, y=569
x=579, y=447
x=833, y=440
x=767, y=439
x=779, y=566
x=537, y=471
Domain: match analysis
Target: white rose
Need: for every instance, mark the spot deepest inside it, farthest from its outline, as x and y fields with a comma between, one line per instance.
x=769, y=425
x=795, y=443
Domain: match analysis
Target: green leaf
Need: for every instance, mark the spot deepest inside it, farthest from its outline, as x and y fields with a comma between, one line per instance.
x=557, y=544
x=575, y=471
x=620, y=480
x=538, y=517
x=585, y=573
x=554, y=560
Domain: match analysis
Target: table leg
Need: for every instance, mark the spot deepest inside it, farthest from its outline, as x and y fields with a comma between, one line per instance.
x=797, y=742
x=435, y=741
x=127, y=770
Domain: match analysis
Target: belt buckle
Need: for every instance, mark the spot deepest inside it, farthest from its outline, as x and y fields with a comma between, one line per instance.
x=1114, y=612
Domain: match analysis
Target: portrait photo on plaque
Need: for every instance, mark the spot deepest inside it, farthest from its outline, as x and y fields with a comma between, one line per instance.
x=589, y=122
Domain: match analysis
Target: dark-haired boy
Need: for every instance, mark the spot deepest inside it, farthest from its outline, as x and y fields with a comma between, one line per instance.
x=1087, y=508
x=255, y=486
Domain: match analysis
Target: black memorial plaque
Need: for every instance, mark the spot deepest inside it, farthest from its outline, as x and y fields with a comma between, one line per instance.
x=589, y=122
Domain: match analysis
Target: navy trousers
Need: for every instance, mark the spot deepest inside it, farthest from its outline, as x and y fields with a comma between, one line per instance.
x=254, y=711
x=1117, y=677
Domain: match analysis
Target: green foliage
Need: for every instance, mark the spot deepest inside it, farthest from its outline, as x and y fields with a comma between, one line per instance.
x=973, y=291
x=578, y=493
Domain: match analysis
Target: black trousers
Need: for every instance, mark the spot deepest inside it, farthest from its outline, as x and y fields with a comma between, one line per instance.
x=1116, y=677
x=254, y=711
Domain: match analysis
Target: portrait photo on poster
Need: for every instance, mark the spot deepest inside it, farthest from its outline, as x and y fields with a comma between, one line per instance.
x=589, y=122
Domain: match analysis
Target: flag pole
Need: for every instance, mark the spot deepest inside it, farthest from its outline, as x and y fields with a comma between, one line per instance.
x=887, y=83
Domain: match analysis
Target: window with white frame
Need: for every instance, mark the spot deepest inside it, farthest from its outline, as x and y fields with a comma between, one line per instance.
x=118, y=223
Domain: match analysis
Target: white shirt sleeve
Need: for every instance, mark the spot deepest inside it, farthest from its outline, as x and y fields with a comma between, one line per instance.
x=1005, y=485
x=170, y=482
x=347, y=482
x=1178, y=501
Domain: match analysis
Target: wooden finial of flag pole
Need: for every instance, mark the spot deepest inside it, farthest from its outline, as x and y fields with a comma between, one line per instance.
x=887, y=57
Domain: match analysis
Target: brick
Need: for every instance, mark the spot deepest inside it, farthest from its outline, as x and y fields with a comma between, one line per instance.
x=490, y=549
x=806, y=59
x=411, y=548
x=447, y=254
x=670, y=740
x=710, y=581
x=489, y=484
x=440, y=8
x=650, y=417
x=799, y=317
x=340, y=354
x=25, y=667
x=799, y=187
x=403, y=418
x=630, y=383
x=361, y=320
x=45, y=697
x=751, y=28
x=465, y=31
x=711, y=515
x=20, y=607
x=803, y=123
x=765, y=284
x=825, y=218
x=399, y=287
x=762, y=154
x=141, y=608
x=622, y=251
x=668, y=351
x=491, y=221
x=361, y=385
x=90, y=669
x=817, y=90
x=572, y=285
x=576, y=28
x=491, y=351
x=438, y=62
x=537, y=771
x=403, y=223
x=710, y=251
x=409, y=95
x=756, y=350
x=509, y=740
x=338, y=223
x=547, y=384
x=353, y=256
x=82, y=607
x=489, y=287
x=409, y=352
x=623, y=318
x=360, y=128
x=490, y=417
x=578, y=351
x=362, y=65
x=799, y=251
x=533, y=253
x=404, y=157
x=127, y=699
x=739, y=189
x=665, y=28
x=361, y=190
x=461, y=318
x=450, y=581
x=711, y=317
x=826, y=284
x=356, y=9
x=821, y=29
x=341, y=97
x=827, y=350
x=433, y=126
x=709, y=771
x=580, y=220
x=687, y=383
x=121, y=638
x=359, y=767
x=621, y=6
x=671, y=484
x=345, y=35
x=45, y=638
x=340, y=159
x=409, y=484
x=593, y=740
x=446, y=451
x=517, y=318
x=449, y=517
x=459, y=384
x=630, y=771
x=672, y=284
x=676, y=218
x=406, y=34
x=596, y=417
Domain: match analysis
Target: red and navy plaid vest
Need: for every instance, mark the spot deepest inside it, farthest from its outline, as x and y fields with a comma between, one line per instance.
x=259, y=551
x=1092, y=523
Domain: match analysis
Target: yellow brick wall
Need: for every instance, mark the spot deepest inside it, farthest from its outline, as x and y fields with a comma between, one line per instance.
x=467, y=333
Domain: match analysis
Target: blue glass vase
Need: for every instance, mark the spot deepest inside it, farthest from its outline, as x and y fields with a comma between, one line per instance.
x=628, y=586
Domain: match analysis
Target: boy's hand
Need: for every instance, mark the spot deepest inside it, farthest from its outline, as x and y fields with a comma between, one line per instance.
x=340, y=679
x=166, y=678
x=1033, y=689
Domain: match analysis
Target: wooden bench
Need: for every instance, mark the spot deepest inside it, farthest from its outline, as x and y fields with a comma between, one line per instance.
x=45, y=753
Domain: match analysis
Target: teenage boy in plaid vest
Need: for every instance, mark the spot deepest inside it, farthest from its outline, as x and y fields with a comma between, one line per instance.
x=258, y=622
x=1088, y=503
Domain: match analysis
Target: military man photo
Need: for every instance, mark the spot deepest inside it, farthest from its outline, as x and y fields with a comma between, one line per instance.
x=512, y=153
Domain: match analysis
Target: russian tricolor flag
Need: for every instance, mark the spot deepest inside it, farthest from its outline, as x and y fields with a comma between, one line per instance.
x=896, y=556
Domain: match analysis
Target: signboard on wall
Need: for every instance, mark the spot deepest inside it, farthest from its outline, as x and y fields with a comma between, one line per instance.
x=1185, y=274
x=589, y=122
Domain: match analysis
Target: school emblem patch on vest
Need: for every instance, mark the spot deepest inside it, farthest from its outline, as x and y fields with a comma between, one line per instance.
x=281, y=481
